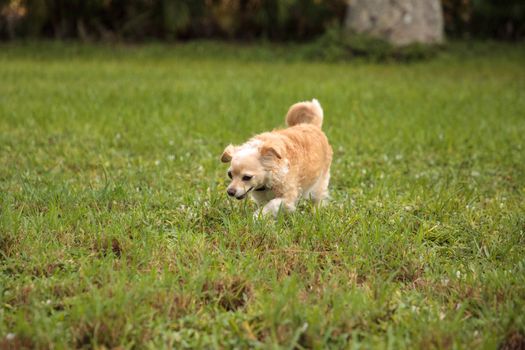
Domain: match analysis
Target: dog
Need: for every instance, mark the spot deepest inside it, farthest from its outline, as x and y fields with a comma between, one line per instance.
x=278, y=168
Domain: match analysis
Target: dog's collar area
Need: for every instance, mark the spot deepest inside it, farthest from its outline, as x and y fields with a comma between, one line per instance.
x=258, y=189
x=246, y=193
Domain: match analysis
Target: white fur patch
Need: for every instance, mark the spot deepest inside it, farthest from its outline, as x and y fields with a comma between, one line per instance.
x=284, y=169
x=248, y=149
x=318, y=106
x=273, y=206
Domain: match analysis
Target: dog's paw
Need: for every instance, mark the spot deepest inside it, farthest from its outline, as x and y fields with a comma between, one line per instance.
x=321, y=203
x=258, y=214
x=263, y=213
x=272, y=208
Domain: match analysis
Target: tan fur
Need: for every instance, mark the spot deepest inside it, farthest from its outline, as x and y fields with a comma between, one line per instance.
x=309, y=112
x=288, y=164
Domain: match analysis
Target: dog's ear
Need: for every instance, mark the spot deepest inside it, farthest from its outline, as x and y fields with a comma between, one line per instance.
x=228, y=154
x=269, y=151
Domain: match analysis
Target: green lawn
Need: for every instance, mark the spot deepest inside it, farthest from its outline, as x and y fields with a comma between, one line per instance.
x=116, y=228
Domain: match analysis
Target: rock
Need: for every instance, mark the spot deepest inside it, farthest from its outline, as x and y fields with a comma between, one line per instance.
x=400, y=22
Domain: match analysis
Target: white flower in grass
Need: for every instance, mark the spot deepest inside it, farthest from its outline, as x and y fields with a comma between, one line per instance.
x=177, y=337
x=458, y=274
x=10, y=336
x=157, y=162
x=171, y=157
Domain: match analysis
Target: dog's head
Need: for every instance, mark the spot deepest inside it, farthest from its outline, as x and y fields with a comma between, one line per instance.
x=250, y=166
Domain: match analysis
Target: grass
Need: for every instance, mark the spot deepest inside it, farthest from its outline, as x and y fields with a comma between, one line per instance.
x=116, y=229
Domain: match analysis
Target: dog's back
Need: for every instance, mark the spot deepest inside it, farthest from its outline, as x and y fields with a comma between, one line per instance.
x=307, y=147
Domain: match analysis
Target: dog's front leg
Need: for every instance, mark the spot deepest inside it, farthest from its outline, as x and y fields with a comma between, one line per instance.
x=285, y=200
x=272, y=207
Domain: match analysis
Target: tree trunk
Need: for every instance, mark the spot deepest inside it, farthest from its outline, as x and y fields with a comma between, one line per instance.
x=400, y=22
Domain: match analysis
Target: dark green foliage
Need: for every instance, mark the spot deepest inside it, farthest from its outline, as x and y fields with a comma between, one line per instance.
x=171, y=19
x=336, y=45
x=278, y=20
x=499, y=18
x=503, y=19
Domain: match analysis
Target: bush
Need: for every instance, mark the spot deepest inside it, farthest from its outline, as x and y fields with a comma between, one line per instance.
x=501, y=19
x=277, y=20
x=168, y=19
x=336, y=44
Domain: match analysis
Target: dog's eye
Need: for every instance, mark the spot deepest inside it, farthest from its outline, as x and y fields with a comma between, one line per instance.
x=246, y=178
x=230, y=175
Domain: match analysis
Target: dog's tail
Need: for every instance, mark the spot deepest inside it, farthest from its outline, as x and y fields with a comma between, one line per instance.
x=309, y=112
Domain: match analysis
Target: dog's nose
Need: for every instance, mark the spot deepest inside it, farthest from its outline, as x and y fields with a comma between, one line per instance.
x=231, y=192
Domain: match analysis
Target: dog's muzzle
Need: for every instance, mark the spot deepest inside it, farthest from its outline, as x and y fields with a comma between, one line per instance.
x=232, y=192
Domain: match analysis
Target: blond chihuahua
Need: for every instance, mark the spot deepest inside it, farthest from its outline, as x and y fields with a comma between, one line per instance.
x=278, y=168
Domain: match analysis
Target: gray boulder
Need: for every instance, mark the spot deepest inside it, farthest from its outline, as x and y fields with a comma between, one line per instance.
x=400, y=22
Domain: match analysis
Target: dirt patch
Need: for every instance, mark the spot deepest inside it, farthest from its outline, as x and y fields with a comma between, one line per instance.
x=8, y=243
x=230, y=293
x=409, y=273
x=513, y=341
x=20, y=296
x=14, y=342
x=108, y=246
x=172, y=303
x=436, y=341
